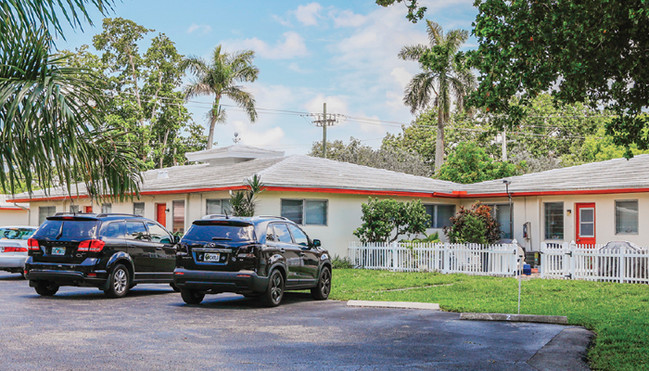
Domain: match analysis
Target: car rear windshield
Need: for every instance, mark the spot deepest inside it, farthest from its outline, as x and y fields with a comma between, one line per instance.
x=12, y=233
x=221, y=232
x=67, y=230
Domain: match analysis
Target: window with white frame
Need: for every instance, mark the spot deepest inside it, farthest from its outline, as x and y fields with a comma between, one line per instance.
x=74, y=209
x=106, y=208
x=218, y=206
x=440, y=215
x=553, y=220
x=626, y=217
x=501, y=212
x=138, y=208
x=44, y=212
x=305, y=212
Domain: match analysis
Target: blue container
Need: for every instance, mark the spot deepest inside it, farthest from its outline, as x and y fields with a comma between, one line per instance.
x=527, y=269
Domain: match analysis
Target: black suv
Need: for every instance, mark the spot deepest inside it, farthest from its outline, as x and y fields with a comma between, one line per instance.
x=253, y=256
x=113, y=252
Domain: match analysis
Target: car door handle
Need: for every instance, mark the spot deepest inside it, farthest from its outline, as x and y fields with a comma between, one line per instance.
x=282, y=250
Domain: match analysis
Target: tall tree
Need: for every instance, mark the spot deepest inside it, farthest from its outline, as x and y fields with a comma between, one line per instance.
x=445, y=76
x=591, y=51
x=221, y=77
x=51, y=132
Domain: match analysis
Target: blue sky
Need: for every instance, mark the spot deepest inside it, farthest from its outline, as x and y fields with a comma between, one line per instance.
x=340, y=52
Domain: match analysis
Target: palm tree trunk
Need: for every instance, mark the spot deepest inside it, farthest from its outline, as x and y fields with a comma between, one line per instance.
x=439, y=143
x=214, y=117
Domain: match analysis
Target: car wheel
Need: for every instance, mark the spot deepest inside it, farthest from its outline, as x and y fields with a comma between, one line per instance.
x=192, y=296
x=322, y=290
x=118, y=282
x=46, y=288
x=275, y=291
x=174, y=287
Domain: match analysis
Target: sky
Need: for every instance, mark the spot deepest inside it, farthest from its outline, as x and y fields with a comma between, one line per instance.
x=340, y=52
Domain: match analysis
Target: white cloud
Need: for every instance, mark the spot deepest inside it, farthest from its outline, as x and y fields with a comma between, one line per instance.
x=251, y=136
x=308, y=14
x=283, y=21
x=335, y=104
x=347, y=18
x=201, y=29
x=292, y=46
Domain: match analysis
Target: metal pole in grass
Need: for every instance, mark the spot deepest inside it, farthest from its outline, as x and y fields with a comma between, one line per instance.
x=514, y=242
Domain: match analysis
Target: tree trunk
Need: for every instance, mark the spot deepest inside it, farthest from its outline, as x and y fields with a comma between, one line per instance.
x=164, y=146
x=439, y=143
x=213, y=119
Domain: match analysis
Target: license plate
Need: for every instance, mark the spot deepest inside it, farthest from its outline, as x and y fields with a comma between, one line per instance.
x=212, y=257
x=58, y=250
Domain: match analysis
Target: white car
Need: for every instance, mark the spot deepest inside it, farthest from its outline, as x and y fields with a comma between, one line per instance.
x=13, y=247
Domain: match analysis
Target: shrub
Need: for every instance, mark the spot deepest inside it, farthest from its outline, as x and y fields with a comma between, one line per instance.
x=386, y=220
x=474, y=225
x=338, y=262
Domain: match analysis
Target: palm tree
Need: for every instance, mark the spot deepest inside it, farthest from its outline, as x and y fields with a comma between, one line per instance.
x=50, y=127
x=445, y=77
x=220, y=77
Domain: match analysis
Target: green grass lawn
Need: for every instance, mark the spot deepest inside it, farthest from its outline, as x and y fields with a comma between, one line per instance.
x=617, y=313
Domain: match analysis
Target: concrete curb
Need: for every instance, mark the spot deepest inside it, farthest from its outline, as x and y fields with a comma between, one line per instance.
x=392, y=304
x=557, y=320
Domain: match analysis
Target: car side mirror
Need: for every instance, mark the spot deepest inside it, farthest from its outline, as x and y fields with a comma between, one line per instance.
x=317, y=243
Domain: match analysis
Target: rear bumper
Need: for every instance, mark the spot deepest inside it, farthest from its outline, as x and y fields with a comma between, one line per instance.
x=12, y=261
x=241, y=282
x=66, y=274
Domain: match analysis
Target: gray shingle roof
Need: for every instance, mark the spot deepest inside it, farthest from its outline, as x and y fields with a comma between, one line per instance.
x=612, y=174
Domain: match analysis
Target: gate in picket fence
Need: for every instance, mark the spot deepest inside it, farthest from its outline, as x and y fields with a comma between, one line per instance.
x=594, y=263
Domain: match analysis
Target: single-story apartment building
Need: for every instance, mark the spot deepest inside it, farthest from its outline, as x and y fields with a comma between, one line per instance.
x=592, y=203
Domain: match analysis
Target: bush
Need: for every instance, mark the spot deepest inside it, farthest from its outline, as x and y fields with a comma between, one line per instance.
x=475, y=225
x=431, y=238
x=338, y=262
x=382, y=218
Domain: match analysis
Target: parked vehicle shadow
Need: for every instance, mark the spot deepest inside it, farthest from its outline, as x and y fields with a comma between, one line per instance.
x=234, y=301
x=94, y=294
x=12, y=277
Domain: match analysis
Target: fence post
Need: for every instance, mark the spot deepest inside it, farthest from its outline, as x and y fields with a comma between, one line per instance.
x=394, y=256
x=447, y=258
x=571, y=259
x=622, y=252
x=544, y=259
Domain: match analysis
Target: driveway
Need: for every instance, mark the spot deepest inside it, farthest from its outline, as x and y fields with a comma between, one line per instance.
x=153, y=329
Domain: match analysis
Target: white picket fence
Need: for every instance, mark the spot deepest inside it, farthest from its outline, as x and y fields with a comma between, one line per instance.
x=492, y=260
x=591, y=262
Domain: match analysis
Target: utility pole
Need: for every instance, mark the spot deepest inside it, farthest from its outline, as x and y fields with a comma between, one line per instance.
x=324, y=121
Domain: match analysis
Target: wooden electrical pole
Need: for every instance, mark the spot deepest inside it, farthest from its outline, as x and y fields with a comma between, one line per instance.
x=324, y=122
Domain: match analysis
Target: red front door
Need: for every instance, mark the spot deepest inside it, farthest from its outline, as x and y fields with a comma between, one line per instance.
x=161, y=214
x=585, y=223
x=88, y=209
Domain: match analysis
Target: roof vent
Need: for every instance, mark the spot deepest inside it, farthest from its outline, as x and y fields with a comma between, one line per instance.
x=163, y=174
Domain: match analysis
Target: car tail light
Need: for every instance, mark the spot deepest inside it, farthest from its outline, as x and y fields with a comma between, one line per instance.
x=91, y=245
x=15, y=249
x=33, y=245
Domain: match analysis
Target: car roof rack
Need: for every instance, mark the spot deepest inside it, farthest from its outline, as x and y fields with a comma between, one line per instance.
x=273, y=216
x=115, y=214
x=212, y=216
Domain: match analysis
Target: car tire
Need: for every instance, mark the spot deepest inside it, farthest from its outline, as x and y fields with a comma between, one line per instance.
x=192, y=296
x=275, y=291
x=118, y=282
x=174, y=287
x=46, y=288
x=322, y=290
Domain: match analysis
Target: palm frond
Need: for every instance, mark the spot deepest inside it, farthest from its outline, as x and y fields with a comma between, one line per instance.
x=412, y=52
x=435, y=33
x=419, y=91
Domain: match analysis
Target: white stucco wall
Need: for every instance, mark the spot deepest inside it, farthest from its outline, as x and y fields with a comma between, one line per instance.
x=14, y=217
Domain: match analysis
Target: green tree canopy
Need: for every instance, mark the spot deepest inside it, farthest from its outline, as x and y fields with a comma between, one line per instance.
x=474, y=225
x=470, y=163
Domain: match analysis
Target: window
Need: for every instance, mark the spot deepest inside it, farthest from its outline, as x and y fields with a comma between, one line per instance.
x=106, y=208
x=158, y=234
x=114, y=230
x=136, y=231
x=501, y=214
x=281, y=232
x=440, y=215
x=178, y=216
x=44, y=212
x=299, y=236
x=553, y=220
x=306, y=212
x=221, y=206
x=74, y=209
x=626, y=217
x=138, y=208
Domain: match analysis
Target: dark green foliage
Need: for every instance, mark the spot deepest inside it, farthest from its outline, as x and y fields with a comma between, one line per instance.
x=469, y=163
x=338, y=262
x=415, y=12
x=386, y=220
x=594, y=52
x=474, y=225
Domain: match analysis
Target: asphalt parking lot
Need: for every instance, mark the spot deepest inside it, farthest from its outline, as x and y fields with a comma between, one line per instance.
x=153, y=329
